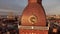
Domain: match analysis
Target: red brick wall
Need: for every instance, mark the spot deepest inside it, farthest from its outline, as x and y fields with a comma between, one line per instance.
x=33, y=32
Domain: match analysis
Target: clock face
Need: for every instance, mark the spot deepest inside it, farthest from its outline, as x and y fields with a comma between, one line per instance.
x=32, y=19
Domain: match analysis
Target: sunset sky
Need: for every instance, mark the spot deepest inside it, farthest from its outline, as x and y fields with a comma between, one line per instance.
x=17, y=6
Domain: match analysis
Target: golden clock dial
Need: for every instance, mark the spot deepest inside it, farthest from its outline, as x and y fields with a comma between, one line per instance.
x=32, y=19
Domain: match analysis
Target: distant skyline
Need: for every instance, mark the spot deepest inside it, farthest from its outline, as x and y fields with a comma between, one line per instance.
x=17, y=6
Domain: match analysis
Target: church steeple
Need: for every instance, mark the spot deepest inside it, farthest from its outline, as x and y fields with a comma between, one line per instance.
x=39, y=1
x=33, y=14
x=32, y=1
x=32, y=18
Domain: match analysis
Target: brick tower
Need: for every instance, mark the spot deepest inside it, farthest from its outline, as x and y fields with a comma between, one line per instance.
x=33, y=20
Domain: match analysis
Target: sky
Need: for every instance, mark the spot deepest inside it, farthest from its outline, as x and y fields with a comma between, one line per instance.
x=52, y=7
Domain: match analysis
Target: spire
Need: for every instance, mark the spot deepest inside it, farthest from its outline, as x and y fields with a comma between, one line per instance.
x=39, y=1
x=32, y=1
x=33, y=14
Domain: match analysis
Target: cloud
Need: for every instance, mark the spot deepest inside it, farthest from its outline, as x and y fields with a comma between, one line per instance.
x=51, y=6
x=17, y=6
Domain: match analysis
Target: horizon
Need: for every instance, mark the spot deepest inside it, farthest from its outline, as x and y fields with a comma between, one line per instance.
x=52, y=7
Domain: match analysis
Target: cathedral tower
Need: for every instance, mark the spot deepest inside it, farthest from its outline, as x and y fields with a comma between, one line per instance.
x=33, y=19
x=33, y=14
